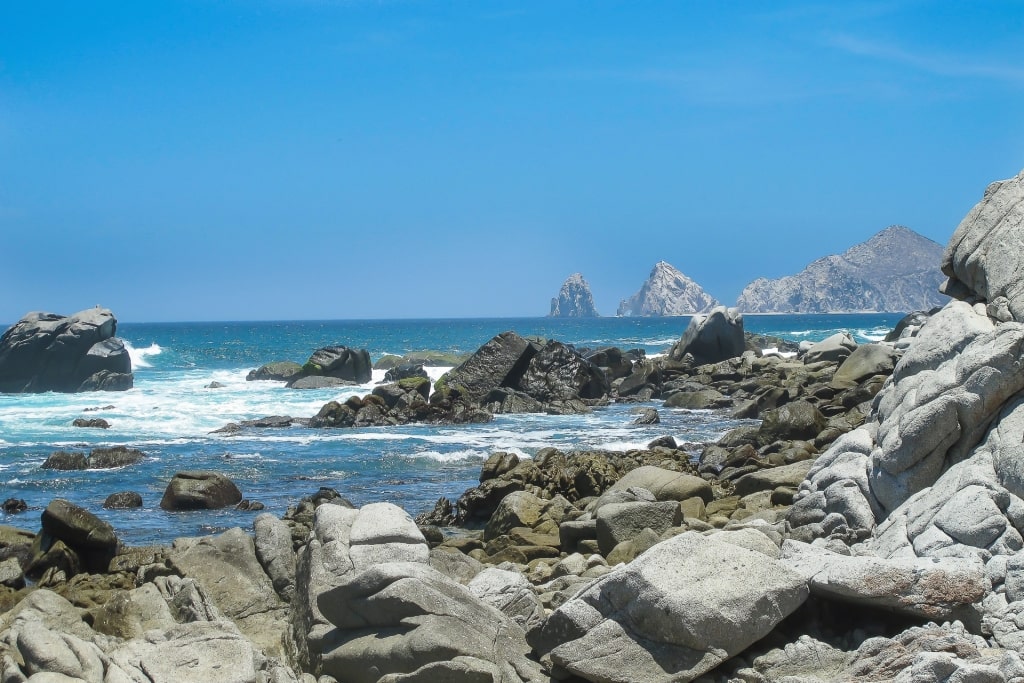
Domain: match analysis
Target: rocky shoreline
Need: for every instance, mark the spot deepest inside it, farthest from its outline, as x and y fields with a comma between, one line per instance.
x=870, y=527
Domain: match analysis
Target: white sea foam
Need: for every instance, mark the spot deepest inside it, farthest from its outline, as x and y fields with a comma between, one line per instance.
x=451, y=456
x=139, y=356
x=875, y=335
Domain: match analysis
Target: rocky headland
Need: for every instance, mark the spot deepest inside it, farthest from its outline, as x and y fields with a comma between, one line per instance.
x=867, y=524
x=897, y=270
x=667, y=291
x=574, y=299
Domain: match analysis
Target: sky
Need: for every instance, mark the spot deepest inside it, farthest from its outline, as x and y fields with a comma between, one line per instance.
x=318, y=159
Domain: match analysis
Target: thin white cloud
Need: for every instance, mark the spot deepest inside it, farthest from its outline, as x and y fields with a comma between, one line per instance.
x=946, y=65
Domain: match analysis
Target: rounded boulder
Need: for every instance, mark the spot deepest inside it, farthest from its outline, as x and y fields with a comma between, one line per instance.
x=200, y=490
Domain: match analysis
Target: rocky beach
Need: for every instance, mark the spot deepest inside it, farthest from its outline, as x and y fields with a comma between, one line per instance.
x=862, y=521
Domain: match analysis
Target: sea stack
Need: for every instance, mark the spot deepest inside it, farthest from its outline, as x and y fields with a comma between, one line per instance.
x=574, y=300
x=897, y=270
x=667, y=291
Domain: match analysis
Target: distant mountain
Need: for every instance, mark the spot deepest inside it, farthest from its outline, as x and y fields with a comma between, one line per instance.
x=897, y=270
x=574, y=300
x=667, y=292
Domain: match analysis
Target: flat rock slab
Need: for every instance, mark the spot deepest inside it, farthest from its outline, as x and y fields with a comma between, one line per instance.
x=937, y=589
x=674, y=613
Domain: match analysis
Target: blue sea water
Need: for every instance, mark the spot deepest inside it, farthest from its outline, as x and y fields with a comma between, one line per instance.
x=170, y=413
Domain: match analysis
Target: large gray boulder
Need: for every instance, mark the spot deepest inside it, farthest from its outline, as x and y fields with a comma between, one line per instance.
x=50, y=352
x=228, y=570
x=369, y=606
x=140, y=636
x=665, y=484
x=674, y=613
x=937, y=589
x=92, y=539
x=982, y=258
x=834, y=349
x=712, y=338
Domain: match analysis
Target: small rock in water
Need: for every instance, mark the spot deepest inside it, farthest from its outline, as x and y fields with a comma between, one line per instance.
x=97, y=422
x=250, y=505
x=663, y=442
x=214, y=385
x=95, y=408
x=647, y=416
x=123, y=500
x=13, y=506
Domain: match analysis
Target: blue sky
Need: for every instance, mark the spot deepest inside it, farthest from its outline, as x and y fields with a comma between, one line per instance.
x=291, y=159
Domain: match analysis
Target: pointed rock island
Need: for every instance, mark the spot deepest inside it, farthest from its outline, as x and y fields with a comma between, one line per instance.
x=574, y=300
x=667, y=292
x=897, y=270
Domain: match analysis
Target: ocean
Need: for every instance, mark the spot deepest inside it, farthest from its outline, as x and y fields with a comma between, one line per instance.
x=170, y=413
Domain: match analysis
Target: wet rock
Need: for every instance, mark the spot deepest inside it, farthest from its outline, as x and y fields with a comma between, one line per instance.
x=340, y=362
x=125, y=500
x=115, y=456
x=95, y=423
x=63, y=460
x=199, y=490
x=13, y=506
x=279, y=371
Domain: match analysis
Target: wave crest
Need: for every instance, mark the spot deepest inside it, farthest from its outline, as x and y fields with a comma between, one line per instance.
x=139, y=356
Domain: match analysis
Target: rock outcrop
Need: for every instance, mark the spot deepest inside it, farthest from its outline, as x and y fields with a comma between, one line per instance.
x=928, y=495
x=667, y=292
x=50, y=352
x=574, y=300
x=897, y=270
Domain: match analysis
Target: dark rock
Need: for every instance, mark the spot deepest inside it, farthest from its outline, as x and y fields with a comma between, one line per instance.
x=645, y=373
x=94, y=409
x=613, y=362
x=404, y=371
x=116, y=456
x=711, y=338
x=49, y=352
x=501, y=362
x=214, y=385
x=92, y=539
x=796, y=420
x=283, y=370
x=250, y=505
x=498, y=464
x=124, y=500
x=647, y=416
x=341, y=362
x=200, y=490
x=97, y=423
x=558, y=373
x=64, y=460
x=13, y=506
x=318, y=382
x=663, y=442
x=430, y=359
x=269, y=422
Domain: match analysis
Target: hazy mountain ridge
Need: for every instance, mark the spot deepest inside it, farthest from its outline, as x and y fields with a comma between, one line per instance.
x=667, y=291
x=896, y=270
x=574, y=299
